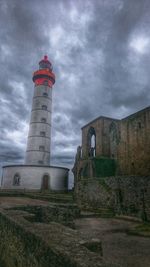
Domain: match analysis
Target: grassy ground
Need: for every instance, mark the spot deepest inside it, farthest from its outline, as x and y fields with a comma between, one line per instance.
x=60, y=197
x=141, y=230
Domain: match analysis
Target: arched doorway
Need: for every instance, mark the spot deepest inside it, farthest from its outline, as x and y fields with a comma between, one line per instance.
x=45, y=182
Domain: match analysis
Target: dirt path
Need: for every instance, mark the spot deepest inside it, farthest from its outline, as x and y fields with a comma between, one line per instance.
x=8, y=202
x=118, y=247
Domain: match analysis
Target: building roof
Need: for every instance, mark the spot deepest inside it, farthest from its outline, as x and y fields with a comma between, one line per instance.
x=109, y=118
x=137, y=113
x=99, y=118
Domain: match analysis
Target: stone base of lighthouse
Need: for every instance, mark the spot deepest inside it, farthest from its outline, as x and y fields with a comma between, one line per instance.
x=33, y=177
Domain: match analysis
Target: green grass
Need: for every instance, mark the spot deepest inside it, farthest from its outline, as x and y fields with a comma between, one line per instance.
x=47, y=196
x=99, y=212
x=143, y=227
x=141, y=230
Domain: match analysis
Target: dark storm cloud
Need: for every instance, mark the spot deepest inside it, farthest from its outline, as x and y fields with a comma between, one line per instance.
x=100, y=54
x=12, y=155
x=119, y=79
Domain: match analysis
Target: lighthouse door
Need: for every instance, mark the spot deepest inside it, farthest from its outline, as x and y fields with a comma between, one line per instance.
x=45, y=182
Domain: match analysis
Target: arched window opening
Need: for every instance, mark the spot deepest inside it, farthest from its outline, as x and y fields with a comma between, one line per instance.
x=113, y=135
x=91, y=142
x=93, y=145
x=42, y=133
x=43, y=119
x=139, y=125
x=44, y=107
x=45, y=94
x=16, y=180
x=42, y=148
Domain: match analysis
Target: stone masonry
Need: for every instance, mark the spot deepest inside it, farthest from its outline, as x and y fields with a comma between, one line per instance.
x=112, y=167
x=126, y=142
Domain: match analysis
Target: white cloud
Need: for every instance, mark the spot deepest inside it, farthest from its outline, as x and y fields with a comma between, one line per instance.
x=140, y=44
x=18, y=137
x=56, y=35
x=5, y=51
x=18, y=88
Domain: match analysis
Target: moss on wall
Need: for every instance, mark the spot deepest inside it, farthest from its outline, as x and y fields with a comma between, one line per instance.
x=105, y=185
x=104, y=167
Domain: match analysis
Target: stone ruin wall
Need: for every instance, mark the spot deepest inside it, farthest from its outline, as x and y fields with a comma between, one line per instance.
x=126, y=195
x=134, y=146
x=127, y=142
x=103, y=146
x=34, y=244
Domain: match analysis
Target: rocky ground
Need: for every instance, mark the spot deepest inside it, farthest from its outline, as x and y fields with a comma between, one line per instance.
x=119, y=247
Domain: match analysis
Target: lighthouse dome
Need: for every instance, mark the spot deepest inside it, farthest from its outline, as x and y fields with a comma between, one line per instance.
x=45, y=63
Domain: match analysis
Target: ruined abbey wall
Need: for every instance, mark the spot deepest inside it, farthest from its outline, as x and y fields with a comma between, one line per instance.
x=122, y=195
x=127, y=141
x=114, y=171
x=134, y=146
x=102, y=127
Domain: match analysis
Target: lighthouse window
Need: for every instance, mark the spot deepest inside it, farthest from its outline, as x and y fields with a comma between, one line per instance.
x=44, y=107
x=42, y=148
x=42, y=133
x=16, y=180
x=43, y=119
x=41, y=162
x=45, y=94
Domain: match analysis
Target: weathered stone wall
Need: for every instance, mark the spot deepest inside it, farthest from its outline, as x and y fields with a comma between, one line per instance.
x=102, y=129
x=134, y=146
x=61, y=213
x=126, y=140
x=94, y=167
x=26, y=244
x=128, y=195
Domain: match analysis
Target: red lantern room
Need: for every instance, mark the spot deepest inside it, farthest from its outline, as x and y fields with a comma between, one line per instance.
x=44, y=76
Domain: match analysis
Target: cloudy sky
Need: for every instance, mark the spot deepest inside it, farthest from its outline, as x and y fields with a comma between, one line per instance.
x=100, y=51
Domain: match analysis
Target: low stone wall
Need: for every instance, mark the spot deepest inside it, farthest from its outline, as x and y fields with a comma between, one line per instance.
x=128, y=195
x=60, y=213
x=26, y=244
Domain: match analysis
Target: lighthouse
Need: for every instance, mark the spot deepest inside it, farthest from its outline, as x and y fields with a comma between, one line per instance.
x=37, y=173
x=39, y=137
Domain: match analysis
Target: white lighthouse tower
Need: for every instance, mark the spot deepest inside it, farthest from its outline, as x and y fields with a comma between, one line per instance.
x=37, y=173
x=39, y=137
